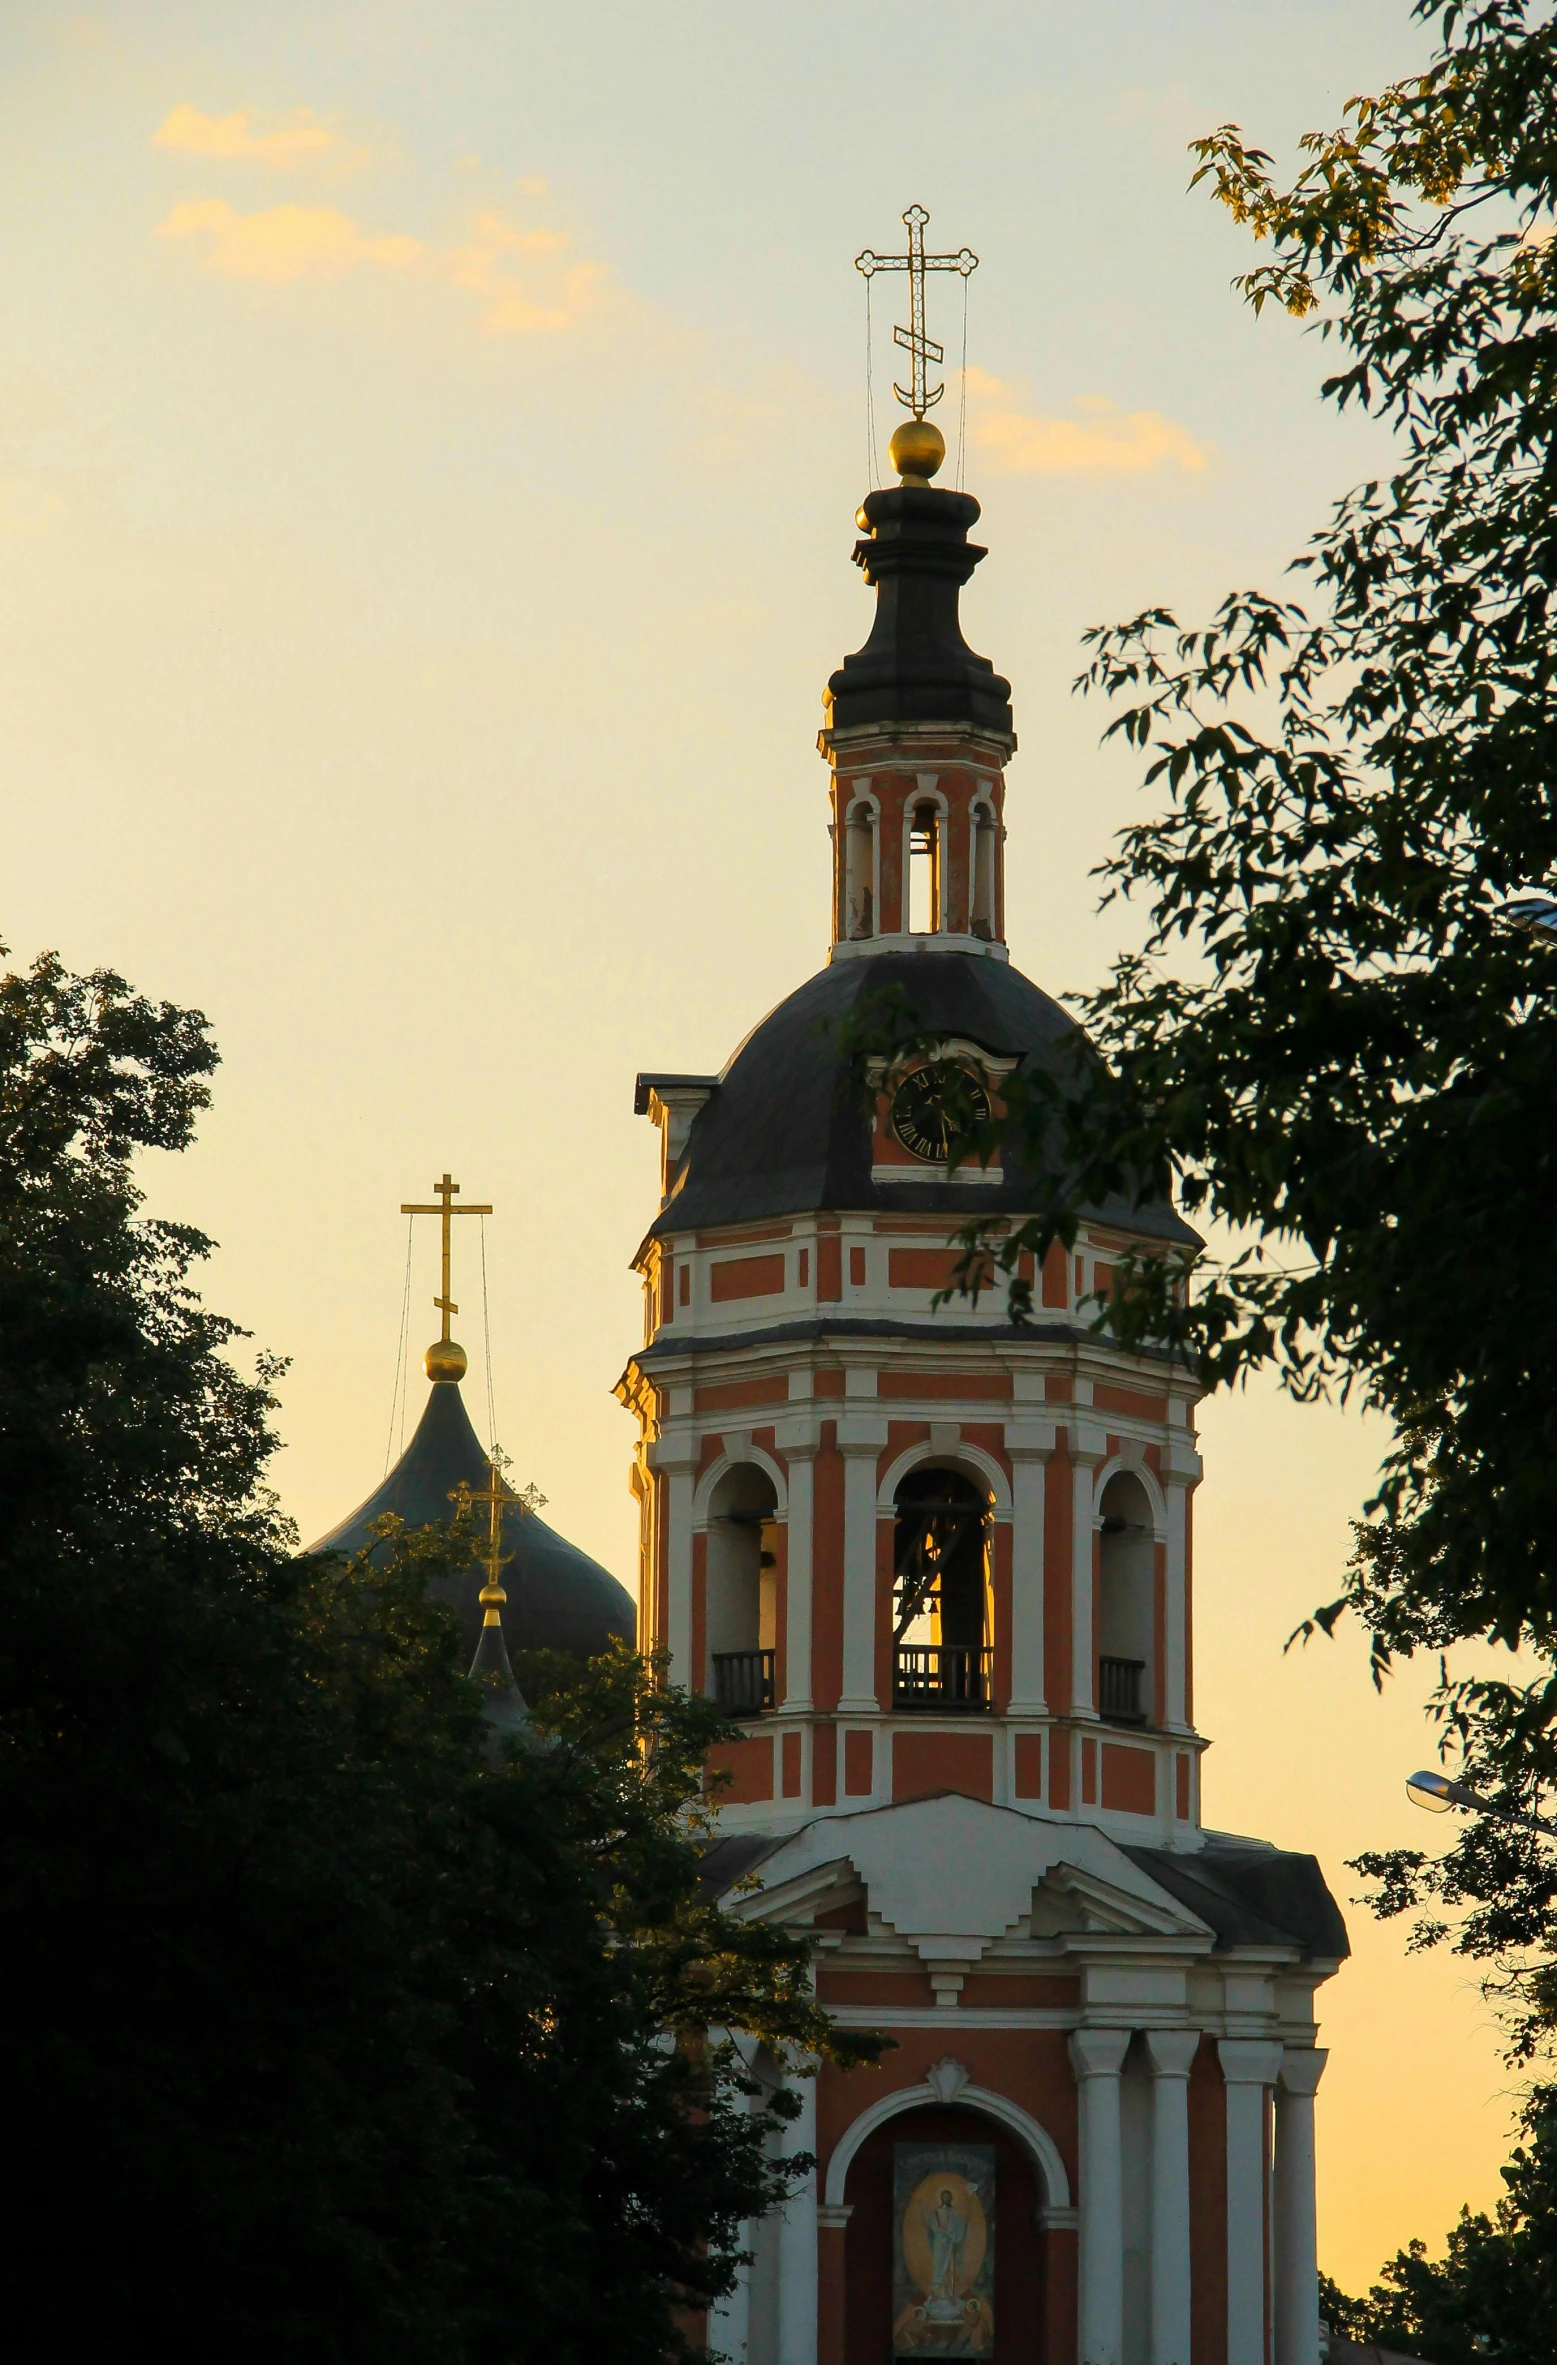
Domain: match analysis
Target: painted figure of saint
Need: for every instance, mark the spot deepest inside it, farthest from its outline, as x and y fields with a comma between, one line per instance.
x=947, y=2232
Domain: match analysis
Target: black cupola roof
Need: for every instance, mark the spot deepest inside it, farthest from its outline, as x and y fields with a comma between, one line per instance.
x=782, y=1132
x=916, y=667
x=558, y=1598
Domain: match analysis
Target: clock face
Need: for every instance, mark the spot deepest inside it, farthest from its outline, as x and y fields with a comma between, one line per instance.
x=920, y=1120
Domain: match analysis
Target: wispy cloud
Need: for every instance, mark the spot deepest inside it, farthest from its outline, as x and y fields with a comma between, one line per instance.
x=526, y=279
x=1101, y=439
x=233, y=139
x=284, y=242
x=520, y=277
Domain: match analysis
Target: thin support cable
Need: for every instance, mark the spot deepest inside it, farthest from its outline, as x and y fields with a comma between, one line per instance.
x=486, y=1334
x=872, y=464
x=397, y=1399
x=962, y=389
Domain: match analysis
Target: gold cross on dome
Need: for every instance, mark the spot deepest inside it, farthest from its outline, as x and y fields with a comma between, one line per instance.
x=447, y=1209
x=920, y=348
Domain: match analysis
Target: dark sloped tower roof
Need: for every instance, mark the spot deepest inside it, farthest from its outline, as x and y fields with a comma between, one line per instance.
x=783, y=1130
x=558, y=1598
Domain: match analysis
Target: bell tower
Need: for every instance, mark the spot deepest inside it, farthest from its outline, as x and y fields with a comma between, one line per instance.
x=936, y=1567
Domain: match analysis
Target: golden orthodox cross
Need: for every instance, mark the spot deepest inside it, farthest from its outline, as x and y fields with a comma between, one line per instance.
x=497, y=1497
x=446, y=1208
x=919, y=347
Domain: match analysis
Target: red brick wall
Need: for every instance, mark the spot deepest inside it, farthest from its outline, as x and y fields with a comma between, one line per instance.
x=750, y=1766
x=923, y=1762
x=746, y=1276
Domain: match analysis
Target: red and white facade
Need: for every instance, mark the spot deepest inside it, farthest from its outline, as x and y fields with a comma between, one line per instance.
x=995, y=1838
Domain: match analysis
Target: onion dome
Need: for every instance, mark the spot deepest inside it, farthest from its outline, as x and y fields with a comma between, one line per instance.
x=557, y=1597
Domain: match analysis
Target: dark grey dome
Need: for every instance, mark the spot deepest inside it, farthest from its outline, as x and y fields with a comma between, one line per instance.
x=781, y=1134
x=558, y=1598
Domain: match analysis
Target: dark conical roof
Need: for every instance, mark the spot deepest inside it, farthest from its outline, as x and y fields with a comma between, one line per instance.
x=558, y=1598
x=782, y=1133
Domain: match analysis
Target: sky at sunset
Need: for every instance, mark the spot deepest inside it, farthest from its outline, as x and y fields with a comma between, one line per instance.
x=429, y=445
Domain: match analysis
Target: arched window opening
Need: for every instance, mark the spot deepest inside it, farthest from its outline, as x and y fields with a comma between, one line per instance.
x=1126, y=1591
x=741, y=1599
x=859, y=915
x=941, y=1655
x=983, y=921
x=924, y=870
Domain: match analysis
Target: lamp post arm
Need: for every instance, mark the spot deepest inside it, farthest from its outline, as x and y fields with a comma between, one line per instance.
x=1437, y=1792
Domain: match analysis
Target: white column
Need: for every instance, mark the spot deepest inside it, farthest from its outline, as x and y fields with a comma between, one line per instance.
x=797, y=1578
x=1084, y=1462
x=797, y=2296
x=1171, y=2052
x=1297, y=2244
x=1249, y=2068
x=729, y=2319
x=1027, y=1477
x=1097, y=2056
x=1181, y=1468
x=859, y=1568
x=678, y=1572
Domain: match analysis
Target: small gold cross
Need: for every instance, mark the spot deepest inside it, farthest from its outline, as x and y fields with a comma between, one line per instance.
x=497, y=1498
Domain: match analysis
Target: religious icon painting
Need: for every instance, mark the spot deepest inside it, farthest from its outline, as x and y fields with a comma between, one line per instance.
x=943, y=2250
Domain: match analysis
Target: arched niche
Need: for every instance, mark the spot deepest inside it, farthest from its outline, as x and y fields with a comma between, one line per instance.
x=982, y=869
x=859, y=868
x=740, y=1605
x=1127, y=1599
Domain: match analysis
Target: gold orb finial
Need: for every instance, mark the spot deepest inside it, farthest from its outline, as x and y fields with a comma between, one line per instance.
x=445, y=1359
x=916, y=451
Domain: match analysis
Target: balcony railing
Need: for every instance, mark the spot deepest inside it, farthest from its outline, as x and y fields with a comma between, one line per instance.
x=941, y=1676
x=743, y=1681
x=1119, y=1690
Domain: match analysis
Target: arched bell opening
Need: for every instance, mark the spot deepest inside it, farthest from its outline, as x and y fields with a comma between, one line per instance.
x=942, y=1626
x=1126, y=1601
x=741, y=1595
x=923, y=2276
x=923, y=903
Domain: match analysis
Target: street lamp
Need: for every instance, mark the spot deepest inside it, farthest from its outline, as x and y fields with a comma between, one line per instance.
x=1438, y=1794
x=1535, y=913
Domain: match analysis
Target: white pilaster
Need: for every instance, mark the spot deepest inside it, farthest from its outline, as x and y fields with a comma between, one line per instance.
x=1250, y=2067
x=860, y=1446
x=1171, y=2052
x=797, y=1578
x=729, y=2320
x=1181, y=1468
x=1097, y=2056
x=1027, y=1485
x=1085, y=1457
x=797, y=2292
x=678, y=1574
x=1297, y=2246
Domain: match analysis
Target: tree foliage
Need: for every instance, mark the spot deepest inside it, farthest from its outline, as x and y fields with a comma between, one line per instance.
x=1330, y=1038
x=336, y=2037
x=1492, y=2297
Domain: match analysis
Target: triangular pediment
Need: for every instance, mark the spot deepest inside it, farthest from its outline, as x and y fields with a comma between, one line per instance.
x=951, y=1875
